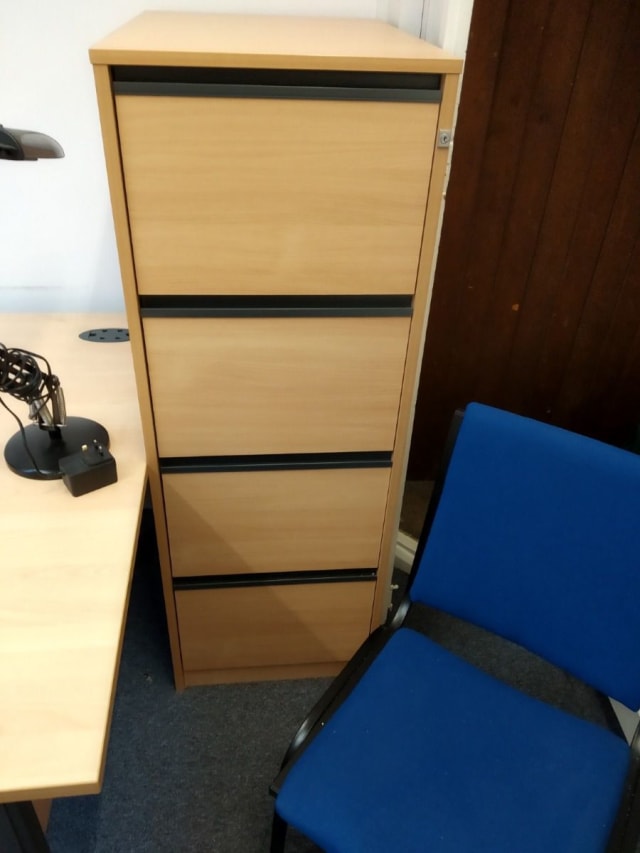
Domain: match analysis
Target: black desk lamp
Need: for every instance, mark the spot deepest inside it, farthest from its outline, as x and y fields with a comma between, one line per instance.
x=27, y=145
x=35, y=451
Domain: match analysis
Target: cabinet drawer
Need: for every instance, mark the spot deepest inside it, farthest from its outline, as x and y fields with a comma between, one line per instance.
x=275, y=385
x=275, y=521
x=279, y=625
x=251, y=196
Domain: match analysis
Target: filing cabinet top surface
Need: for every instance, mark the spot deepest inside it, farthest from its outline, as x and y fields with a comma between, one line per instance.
x=195, y=39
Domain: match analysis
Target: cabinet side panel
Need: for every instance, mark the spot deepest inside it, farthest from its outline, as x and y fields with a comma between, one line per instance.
x=111, y=143
x=433, y=217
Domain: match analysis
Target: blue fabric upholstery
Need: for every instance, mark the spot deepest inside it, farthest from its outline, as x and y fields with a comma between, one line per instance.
x=537, y=538
x=430, y=754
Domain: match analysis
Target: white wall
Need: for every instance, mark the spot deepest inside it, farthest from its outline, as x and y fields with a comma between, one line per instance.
x=446, y=22
x=406, y=14
x=56, y=234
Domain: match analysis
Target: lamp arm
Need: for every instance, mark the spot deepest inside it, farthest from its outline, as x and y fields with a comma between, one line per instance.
x=48, y=409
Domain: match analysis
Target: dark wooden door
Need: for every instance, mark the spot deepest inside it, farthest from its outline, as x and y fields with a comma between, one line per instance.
x=536, y=302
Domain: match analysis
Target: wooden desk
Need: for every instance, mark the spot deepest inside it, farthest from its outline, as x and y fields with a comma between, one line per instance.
x=65, y=569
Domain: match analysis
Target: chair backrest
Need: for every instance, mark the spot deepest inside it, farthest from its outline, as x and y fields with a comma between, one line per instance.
x=536, y=537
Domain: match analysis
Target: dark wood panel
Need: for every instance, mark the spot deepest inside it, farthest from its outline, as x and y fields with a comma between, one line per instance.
x=483, y=241
x=628, y=380
x=437, y=398
x=535, y=294
x=604, y=37
x=525, y=210
x=610, y=318
x=609, y=151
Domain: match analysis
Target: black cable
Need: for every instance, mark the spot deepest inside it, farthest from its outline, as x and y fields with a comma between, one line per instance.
x=19, y=373
x=22, y=378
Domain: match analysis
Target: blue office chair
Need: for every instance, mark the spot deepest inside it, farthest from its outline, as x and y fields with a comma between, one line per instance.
x=534, y=535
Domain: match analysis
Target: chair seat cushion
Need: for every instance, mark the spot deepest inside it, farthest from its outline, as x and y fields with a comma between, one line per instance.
x=429, y=753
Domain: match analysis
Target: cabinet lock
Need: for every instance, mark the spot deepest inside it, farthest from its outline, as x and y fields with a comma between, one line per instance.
x=444, y=138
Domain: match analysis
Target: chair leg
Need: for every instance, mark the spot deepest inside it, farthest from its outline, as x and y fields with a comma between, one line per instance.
x=278, y=833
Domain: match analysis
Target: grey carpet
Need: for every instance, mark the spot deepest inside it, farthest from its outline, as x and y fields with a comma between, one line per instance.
x=186, y=772
x=189, y=772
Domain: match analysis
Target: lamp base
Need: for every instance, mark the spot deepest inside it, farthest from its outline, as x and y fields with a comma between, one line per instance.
x=47, y=448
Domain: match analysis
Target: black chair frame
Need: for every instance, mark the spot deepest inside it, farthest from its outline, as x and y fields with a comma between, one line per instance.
x=625, y=835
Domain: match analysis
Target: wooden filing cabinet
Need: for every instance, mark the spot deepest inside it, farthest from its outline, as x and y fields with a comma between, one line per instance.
x=276, y=184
